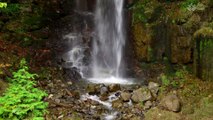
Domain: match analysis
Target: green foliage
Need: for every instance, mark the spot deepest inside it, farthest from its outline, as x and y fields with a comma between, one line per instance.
x=10, y=9
x=174, y=80
x=3, y=5
x=165, y=80
x=22, y=100
x=189, y=4
x=139, y=11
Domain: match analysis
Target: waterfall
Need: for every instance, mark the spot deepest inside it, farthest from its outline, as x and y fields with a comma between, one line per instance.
x=110, y=39
x=101, y=60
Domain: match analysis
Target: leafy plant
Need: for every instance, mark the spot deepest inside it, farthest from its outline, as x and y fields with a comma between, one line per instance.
x=139, y=11
x=165, y=80
x=189, y=4
x=3, y=5
x=22, y=100
x=10, y=9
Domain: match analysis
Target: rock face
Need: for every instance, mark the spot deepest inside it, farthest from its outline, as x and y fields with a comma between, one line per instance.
x=165, y=33
x=171, y=103
x=203, y=60
x=140, y=95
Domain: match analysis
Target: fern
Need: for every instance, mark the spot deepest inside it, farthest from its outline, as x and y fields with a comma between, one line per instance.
x=22, y=100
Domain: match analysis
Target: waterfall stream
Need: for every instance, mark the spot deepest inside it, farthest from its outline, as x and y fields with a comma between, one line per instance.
x=108, y=44
x=105, y=63
x=110, y=40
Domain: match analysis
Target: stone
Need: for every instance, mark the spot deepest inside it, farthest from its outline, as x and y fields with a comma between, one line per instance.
x=117, y=104
x=154, y=88
x=50, y=85
x=125, y=96
x=171, y=103
x=140, y=95
x=57, y=100
x=114, y=87
x=147, y=105
x=92, y=89
x=69, y=83
x=103, y=90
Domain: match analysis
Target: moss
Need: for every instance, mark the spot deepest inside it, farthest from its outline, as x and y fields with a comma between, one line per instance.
x=142, y=41
x=204, y=32
x=158, y=114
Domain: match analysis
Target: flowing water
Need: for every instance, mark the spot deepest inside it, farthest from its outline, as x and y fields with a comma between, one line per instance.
x=110, y=40
x=107, y=53
x=105, y=63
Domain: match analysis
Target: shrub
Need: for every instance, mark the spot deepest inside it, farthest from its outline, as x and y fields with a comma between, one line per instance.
x=139, y=11
x=10, y=9
x=3, y=5
x=22, y=100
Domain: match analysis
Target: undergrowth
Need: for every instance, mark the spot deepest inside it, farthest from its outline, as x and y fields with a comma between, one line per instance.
x=174, y=80
x=10, y=9
x=22, y=101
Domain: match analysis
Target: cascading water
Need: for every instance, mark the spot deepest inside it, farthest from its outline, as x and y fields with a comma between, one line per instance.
x=109, y=42
x=99, y=59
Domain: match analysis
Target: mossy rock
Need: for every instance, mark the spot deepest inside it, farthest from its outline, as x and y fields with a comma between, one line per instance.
x=204, y=32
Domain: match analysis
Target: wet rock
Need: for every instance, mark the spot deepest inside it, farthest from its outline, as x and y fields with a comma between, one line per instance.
x=114, y=87
x=140, y=95
x=117, y=104
x=104, y=97
x=104, y=90
x=92, y=89
x=125, y=96
x=154, y=88
x=171, y=103
x=147, y=105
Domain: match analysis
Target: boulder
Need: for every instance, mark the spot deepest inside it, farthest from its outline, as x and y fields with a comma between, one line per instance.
x=142, y=94
x=171, y=103
x=114, y=87
x=103, y=90
x=147, y=105
x=154, y=88
x=125, y=96
x=117, y=104
x=92, y=89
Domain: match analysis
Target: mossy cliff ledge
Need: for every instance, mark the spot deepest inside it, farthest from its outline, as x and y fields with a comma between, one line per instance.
x=172, y=30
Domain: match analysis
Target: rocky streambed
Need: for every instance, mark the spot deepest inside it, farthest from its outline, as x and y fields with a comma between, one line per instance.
x=105, y=102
